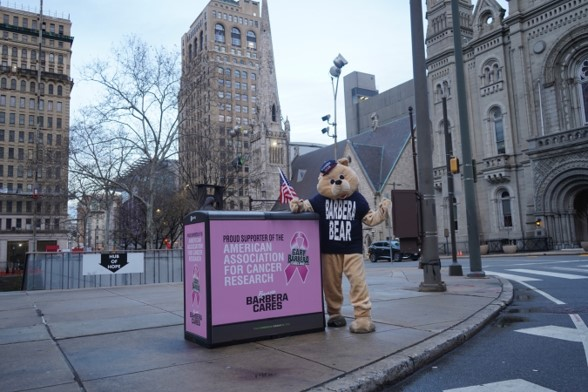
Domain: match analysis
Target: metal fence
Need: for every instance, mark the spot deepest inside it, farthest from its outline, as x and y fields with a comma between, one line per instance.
x=59, y=271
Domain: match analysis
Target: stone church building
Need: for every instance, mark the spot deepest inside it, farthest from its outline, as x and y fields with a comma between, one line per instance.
x=526, y=75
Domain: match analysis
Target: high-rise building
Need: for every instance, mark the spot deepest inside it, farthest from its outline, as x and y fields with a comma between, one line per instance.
x=231, y=132
x=35, y=88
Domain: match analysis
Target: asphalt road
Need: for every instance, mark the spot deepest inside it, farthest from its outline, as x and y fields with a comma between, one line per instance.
x=538, y=343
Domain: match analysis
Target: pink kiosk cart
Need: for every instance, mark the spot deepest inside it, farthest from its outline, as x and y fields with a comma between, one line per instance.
x=251, y=276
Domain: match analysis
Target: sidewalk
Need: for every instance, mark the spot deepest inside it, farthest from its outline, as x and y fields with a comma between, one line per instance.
x=132, y=338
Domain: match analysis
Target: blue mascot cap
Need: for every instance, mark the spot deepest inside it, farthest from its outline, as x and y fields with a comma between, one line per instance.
x=328, y=166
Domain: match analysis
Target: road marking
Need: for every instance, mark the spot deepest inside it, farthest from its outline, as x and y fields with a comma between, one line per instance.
x=503, y=386
x=522, y=280
x=578, y=334
x=516, y=278
x=571, y=269
x=550, y=274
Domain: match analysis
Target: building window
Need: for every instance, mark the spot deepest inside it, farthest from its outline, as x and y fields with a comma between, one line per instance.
x=497, y=120
x=506, y=209
x=219, y=33
x=583, y=85
x=251, y=40
x=235, y=36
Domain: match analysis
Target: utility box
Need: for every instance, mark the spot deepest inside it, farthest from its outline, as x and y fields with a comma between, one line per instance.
x=251, y=276
x=406, y=219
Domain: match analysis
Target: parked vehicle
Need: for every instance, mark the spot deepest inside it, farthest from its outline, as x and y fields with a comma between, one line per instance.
x=389, y=250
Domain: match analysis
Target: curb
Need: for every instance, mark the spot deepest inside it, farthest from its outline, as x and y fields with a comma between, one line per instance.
x=402, y=364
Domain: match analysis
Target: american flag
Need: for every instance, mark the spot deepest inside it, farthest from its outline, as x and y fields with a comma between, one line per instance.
x=287, y=193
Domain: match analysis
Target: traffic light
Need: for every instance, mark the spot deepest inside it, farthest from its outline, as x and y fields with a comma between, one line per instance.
x=454, y=165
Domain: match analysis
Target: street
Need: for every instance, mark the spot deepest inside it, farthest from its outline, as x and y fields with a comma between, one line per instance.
x=538, y=343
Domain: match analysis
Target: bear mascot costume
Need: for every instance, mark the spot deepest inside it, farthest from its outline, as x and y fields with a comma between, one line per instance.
x=343, y=209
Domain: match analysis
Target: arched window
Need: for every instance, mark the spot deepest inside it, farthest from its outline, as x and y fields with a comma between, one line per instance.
x=50, y=88
x=439, y=92
x=583, y=85
x=219, y=33
x=251, y=40
x=23, y=86
x=497, y=121
x=235, y=36
x=59, y=90
x=202, y=40
x=506, y=211
x=237, y=74
x=13, y=84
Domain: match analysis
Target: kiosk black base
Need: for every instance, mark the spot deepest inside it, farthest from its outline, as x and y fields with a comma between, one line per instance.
x=260, y=330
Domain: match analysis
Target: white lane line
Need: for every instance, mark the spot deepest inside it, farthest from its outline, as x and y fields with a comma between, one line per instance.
x=581, y=327
x=517, y=385
x=550, y=274
x=543, y=293
x=522, y=280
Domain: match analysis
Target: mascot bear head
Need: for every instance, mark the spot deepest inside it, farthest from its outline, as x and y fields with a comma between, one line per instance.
x=337, y=180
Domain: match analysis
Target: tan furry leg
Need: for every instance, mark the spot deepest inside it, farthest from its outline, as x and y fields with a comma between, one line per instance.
x=359, y=295
x=332, y=268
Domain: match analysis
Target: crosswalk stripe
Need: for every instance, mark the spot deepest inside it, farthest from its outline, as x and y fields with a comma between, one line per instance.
x=516, y=278
x=551, y=274
x=570, y=269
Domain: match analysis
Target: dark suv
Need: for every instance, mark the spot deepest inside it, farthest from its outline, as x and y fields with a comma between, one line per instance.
x=389, y=250
x=384, y=249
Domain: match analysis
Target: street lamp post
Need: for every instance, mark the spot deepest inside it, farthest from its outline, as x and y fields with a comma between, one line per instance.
x=335, y=71
x=431, y=263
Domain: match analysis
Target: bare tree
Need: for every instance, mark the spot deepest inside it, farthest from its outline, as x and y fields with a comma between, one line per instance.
x=135, y=121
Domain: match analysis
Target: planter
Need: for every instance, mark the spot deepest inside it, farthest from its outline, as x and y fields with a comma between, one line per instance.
x=509, y=249
x=483, y=249
x=584, y=245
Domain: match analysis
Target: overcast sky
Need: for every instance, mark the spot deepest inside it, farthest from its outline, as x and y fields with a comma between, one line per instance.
x=373, y=35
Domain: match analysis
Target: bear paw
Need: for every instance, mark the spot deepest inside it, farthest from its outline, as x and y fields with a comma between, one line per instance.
x=336, y=321
x=362, y=325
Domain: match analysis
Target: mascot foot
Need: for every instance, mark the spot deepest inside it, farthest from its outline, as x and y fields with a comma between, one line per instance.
x=362, y=325
x=336, y=321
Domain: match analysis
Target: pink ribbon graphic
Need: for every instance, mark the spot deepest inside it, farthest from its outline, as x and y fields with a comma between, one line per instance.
x=298, y=246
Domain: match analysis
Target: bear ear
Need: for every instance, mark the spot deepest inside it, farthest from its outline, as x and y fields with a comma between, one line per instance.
x=344, y=161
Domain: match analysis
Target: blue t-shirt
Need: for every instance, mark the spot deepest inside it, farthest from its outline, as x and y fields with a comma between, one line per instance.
x=340, y=224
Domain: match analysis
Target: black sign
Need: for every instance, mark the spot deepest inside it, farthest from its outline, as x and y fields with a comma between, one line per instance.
x=113, y=261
